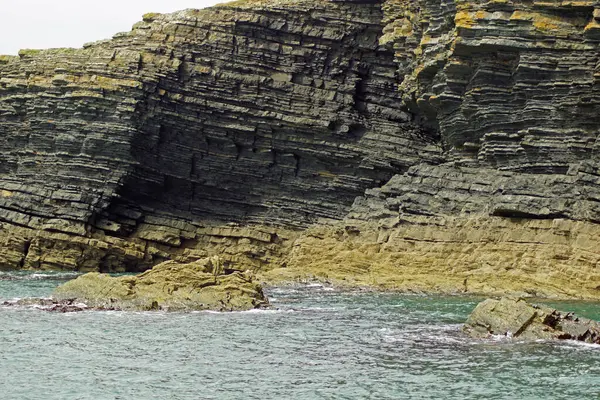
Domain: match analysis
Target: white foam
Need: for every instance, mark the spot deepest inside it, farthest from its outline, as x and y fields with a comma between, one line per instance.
x=581, y=345
x=39, y=276
x=266, y=311
x=253, y=311
x=14, y=300
x=325, y=309
x=61, y=275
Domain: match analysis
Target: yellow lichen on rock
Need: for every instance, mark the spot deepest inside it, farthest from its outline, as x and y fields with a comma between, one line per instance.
x=594, y=25
x=151, y=16
x=468, y=19
x=400, y=28
x=464, y=19
x=5, y=59
x=547, y=23
x=110, y=83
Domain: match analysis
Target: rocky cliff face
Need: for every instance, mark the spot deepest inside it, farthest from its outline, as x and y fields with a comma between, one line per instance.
x=509, y=84
x=231, y=130
x=246, y=114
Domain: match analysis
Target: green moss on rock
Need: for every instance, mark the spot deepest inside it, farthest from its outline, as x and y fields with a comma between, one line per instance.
x=5, y=59
x=29, y=52
x=200, y=285
x=151, y=16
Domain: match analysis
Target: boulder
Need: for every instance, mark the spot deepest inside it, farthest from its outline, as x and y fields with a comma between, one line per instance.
x=519, y=319
x=200, y=285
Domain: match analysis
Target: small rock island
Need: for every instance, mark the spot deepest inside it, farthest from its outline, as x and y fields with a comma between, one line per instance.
x=519, y=319
x=201, y=285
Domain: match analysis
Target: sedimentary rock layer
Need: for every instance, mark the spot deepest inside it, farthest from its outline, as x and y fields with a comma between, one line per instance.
x=511, y=84
x=476, y=255
x=281, y=113
x=231, y=130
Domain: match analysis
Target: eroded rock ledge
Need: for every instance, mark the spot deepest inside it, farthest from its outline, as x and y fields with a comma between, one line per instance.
x=442, y=145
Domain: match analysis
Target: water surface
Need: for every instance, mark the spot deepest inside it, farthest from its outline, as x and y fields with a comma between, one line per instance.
x=317, y=344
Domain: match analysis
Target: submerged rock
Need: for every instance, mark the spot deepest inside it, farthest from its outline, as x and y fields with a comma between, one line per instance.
x=517, y=318
x=52, y=305
x=200, y=285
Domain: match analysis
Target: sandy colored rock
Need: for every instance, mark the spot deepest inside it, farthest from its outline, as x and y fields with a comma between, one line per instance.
x=201, y=285
x=477, y=255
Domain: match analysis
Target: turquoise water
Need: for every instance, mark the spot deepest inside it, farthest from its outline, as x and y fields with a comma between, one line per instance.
x=318, y=344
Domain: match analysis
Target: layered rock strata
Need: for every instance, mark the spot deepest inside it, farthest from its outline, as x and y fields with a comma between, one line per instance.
x=244, y=114
x=465, y=134
x=458, y=229
x=513, y=85
x=512, y=88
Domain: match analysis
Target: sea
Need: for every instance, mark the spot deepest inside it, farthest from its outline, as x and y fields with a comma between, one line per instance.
x=315, y=343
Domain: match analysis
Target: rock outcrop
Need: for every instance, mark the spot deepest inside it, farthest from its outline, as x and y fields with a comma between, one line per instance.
x=246, y=113
x=426, y=145
x=518, y=319
x=202, y=285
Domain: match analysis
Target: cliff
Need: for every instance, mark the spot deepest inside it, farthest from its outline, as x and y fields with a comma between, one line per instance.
x=428, y=145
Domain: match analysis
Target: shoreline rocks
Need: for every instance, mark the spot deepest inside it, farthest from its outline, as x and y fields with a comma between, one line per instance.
x=201, y=285
x=518, y=319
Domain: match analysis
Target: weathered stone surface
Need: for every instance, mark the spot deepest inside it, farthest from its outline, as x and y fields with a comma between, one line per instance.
x=466, y=131
x=478, y=255
x=278, y=113
x=511, y=84
x=455, y=190
x=516, y=318
x=205, y=284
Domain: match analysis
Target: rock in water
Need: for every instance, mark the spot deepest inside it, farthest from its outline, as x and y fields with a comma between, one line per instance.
x=517, y=318
x=200, y=285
